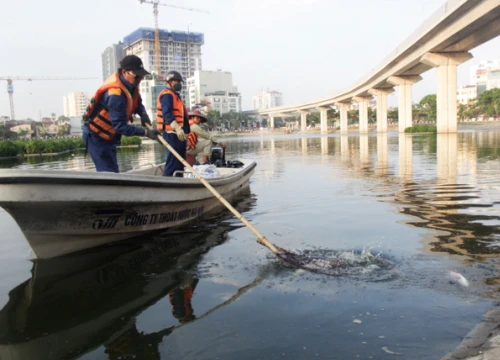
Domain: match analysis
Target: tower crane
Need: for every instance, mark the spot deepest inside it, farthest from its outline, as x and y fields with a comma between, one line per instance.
x=10, y=87
x=155, y=4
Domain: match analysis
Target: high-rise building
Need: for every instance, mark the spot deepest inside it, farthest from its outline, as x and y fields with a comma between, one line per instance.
x=111, y=58
x=179, y=51
x=205, y=82
x=75, y=104
x=267, y=100
x=486, y=75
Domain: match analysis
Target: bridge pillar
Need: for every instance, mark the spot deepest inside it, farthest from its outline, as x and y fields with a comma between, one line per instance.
x=343, y=107
x=271, y=122
x=323, y=117
x=446, y=95
x=381, y=95
x=363, y=102
x=405, y=107
x=303, y=120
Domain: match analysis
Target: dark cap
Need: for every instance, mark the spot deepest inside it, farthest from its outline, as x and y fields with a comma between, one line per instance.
x=133, y=63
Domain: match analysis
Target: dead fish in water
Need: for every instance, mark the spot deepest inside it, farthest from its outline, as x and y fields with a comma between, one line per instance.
x=458, y=278
x=389, y=351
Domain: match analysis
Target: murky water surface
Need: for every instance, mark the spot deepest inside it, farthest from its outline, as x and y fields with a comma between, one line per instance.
x=390, y=218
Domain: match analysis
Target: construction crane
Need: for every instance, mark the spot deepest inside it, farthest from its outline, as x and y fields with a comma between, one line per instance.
x=155, y=4
x=10, y=87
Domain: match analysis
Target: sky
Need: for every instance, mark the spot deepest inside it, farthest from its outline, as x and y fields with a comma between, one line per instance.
x=306, y=49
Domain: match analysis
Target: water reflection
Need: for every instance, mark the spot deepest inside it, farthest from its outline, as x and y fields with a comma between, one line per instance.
x=129, y=158
x=448, y=206
x=382, y=154
x=450, y=209
x=457, y=210
x=405, y=156
x=447, y=158
x=84, y=300
x=324, y=145
x=364, y=155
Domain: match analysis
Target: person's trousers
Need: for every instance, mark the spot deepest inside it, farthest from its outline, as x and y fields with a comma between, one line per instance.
x=202, y=146
x=102, y=152
x=172, y=164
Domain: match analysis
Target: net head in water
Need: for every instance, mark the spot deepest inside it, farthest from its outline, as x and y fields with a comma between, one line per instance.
x=336, y=262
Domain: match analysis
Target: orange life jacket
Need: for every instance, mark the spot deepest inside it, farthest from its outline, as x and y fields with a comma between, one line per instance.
x=97, y=117
x=184, y=310
x=178, y=110
x=192, y=138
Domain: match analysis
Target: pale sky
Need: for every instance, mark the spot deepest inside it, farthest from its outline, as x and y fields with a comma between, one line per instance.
x=307, y=49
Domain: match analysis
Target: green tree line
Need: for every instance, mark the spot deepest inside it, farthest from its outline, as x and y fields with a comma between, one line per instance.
x=25, y=147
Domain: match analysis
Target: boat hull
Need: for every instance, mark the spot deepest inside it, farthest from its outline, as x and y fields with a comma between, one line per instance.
x=65, y=215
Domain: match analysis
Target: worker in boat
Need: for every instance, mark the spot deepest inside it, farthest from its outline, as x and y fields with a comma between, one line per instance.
x=172, y=120
x=200, y=141
x=111, y=108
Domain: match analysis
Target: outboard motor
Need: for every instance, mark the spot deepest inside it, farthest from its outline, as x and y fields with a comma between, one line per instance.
x=218, y=156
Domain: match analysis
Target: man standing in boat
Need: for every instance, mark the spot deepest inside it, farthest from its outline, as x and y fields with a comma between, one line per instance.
x=111, y=108
x=172, y=120
x=200, y=141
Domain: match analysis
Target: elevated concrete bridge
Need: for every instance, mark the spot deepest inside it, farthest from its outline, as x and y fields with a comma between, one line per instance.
x=442, y=42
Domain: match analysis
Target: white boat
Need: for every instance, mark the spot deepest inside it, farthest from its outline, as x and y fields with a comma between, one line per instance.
x=62, y=212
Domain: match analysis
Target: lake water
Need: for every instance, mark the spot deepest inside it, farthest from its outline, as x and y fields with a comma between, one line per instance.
x=428, y=205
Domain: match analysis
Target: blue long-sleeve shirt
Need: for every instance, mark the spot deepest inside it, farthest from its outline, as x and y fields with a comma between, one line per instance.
x=167, y=104
x=117, y=108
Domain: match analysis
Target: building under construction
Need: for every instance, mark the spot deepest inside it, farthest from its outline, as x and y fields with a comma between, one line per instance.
x=179, y=51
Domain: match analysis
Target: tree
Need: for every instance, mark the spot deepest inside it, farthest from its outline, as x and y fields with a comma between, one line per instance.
x=6, y=133
x=353, y=116
x=278, y=122
x=415, y=112
x=214, y=118
x=472, y=110
x=230, y=119
x=461, y=110
x=428, y=107
x=393, y=114
x=332, y=114
x=372, y=115
x=489, y=103
x=245, y=119
x=313, y=118
x=22, y=133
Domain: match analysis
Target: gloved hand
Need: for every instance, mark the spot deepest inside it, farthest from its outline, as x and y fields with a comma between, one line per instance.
x=180, y=132
x=152, y=134
x=145, y=119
